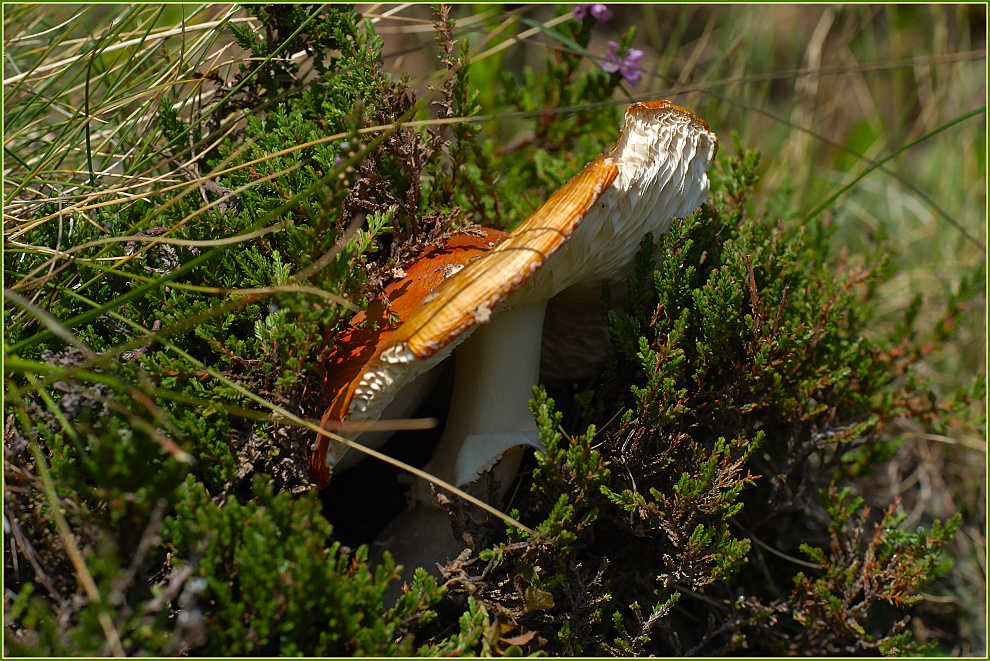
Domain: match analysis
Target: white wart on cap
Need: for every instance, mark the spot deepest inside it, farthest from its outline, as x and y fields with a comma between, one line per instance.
x=492, y=309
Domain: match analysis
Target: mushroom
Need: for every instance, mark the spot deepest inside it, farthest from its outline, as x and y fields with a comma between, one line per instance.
x=488, y=299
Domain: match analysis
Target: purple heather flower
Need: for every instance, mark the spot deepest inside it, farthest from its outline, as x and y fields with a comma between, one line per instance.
x=628, y=65
x=599, y=12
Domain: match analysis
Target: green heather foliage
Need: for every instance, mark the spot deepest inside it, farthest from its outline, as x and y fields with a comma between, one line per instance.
x=753, y=390
x=718, y=502
x=277, y=587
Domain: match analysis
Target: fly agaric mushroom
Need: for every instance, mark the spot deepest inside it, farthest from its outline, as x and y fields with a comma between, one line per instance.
x=489, y=301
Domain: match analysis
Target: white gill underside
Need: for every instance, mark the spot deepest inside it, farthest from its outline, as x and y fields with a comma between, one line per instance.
x=662, y=175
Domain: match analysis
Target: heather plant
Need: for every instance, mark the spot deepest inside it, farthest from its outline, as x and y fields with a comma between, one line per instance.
x=742, y=393
x=192, y=214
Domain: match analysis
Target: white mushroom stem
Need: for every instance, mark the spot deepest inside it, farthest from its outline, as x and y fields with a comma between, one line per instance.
x=495, y=370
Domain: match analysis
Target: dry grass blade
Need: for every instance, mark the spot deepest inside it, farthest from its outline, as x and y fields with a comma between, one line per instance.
x=60, y=65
